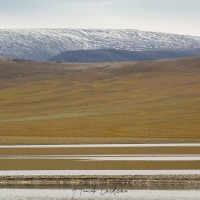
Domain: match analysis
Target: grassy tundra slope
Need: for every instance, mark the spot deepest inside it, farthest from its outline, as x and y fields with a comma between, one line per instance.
x=49, y=103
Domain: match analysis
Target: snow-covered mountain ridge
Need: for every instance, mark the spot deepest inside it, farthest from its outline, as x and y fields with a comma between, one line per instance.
x=43, y=44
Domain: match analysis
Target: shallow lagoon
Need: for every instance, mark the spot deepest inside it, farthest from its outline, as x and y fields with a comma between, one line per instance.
x=140, y=151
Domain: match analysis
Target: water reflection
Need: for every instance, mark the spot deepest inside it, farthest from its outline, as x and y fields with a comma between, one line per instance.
x=94, y=192
x=67, y=194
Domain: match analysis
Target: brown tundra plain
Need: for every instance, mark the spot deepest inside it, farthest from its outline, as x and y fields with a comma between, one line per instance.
x=135, y=102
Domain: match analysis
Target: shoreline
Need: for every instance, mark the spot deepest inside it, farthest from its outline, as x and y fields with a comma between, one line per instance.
x=181, y=179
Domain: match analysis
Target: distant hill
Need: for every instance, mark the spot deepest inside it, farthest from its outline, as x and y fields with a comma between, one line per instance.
x=43, y=44
x=113, y=55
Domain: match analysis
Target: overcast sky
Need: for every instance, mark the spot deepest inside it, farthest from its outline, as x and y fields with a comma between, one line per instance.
x=171, y=16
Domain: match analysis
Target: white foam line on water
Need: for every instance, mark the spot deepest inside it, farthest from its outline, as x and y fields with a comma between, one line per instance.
x=104, y=158
x=97, y=172
x=103, y=145
x=137, y=158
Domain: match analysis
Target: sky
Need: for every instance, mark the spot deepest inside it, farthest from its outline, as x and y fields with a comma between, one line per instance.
x=170, y=16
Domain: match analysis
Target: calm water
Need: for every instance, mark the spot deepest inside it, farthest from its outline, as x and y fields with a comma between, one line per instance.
x=65, y=194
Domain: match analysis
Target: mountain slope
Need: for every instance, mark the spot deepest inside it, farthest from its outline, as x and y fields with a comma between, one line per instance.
x=49, y=103
x=112, y=55
x=43, y=44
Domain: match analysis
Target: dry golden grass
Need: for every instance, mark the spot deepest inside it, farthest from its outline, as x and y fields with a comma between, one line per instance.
x=155, y=101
